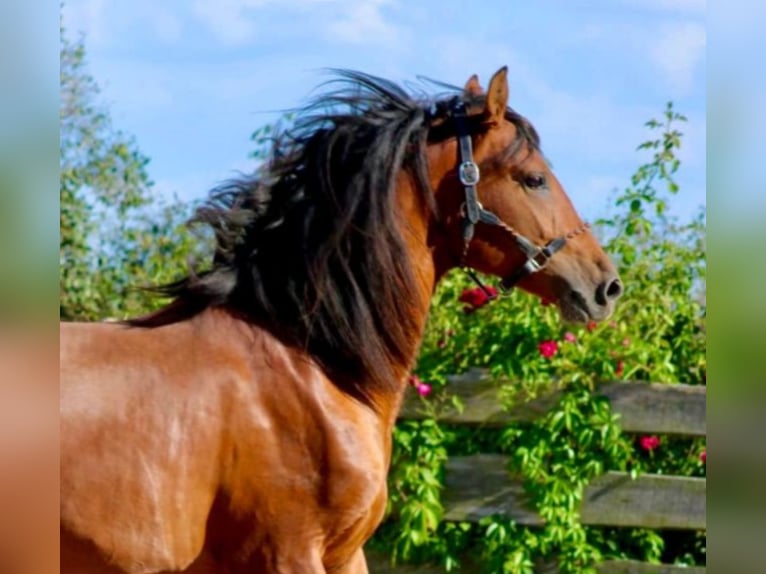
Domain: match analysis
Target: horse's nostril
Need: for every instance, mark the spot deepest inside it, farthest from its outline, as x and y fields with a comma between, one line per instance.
x=614, y=290
x=608, y=291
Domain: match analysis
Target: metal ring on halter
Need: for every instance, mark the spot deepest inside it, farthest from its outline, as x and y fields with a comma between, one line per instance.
x=469, y=173
x=537, y=262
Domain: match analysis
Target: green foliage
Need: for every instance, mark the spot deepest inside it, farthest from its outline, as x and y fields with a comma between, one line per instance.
x=657, y=334
x=113, y=233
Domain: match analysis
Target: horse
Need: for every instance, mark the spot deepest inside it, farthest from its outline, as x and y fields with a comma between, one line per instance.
x=247, y=425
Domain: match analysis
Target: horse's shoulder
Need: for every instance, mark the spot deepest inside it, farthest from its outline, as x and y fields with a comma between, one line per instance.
x=141, y=432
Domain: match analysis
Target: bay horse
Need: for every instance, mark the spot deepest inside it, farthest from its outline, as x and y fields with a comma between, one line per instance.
x=246, y=426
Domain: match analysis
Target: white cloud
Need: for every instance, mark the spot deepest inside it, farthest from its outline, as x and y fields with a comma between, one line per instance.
x=362, y=22
x=685, y=6
x=228, y=19
x=678, y=51
x=98, y=19
x=673, y=47
x=235, y=22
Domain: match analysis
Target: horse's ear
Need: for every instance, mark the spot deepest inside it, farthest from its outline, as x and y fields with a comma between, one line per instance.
x=472, y=86
x=497, y=95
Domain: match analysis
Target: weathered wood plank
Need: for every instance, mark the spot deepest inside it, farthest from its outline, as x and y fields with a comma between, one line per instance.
x=478, y=486
x=650, y=501
x=659, y=408
x=633, y=567
x=380, y=564
x=643, y=407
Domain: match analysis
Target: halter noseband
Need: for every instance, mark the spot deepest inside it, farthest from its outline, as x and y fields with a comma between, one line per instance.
x=473, y=212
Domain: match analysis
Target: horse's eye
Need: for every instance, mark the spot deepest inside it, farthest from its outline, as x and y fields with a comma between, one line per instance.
x=534, y=181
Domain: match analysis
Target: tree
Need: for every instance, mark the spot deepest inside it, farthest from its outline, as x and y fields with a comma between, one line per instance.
x=114, y=235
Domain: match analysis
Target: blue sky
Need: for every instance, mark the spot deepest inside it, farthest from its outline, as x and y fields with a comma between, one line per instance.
x=192, y=79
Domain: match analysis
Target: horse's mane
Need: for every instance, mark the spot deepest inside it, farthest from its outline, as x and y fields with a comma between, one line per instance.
x=310, y=246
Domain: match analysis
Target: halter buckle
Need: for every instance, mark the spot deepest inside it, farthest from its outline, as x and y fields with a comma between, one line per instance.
x=538, y=261
x=469, y=173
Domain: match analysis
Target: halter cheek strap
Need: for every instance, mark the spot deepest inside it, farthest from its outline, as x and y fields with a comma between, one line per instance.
x=474, y=213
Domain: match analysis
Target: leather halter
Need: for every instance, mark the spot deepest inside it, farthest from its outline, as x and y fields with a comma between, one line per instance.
x=473, y=213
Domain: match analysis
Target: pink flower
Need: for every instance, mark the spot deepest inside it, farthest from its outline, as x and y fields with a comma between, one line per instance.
x=424, y=389
x=548, y=348
x=476, y=297
x=703, y=456
x=649, y=442
x=569, y=337
x=619, y=369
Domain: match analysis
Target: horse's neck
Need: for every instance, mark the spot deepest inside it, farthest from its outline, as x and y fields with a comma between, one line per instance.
x=423, y=260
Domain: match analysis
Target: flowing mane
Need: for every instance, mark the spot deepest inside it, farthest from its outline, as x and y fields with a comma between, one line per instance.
x=310, y=247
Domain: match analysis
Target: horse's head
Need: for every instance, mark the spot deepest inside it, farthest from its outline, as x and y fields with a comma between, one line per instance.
x=519, y=207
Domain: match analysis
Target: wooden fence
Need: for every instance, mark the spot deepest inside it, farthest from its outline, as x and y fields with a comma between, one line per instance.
x=614, y=499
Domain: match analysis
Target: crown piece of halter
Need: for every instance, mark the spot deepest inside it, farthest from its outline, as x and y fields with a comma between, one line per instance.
x=472, y=213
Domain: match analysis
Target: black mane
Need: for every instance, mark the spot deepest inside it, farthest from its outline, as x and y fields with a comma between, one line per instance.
x=310, y=247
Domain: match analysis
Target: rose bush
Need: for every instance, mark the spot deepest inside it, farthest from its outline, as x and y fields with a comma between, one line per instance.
x=657, y=334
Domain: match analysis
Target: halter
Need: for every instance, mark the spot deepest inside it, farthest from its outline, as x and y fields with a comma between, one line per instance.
x=473, y=213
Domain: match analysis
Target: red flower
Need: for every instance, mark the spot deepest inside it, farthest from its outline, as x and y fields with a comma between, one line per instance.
x=548, y=348
x=649, y=442
x=619, y=369
x=477, y=297
x=703, y=456
x=414, y=380
x=569, y=337
x=591, y=326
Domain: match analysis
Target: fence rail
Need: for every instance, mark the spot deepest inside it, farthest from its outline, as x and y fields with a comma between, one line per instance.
x=480, y=485
x=643, y=407
x=379, y=564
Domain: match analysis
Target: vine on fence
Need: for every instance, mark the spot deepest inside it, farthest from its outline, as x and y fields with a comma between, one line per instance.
x=657, y=334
